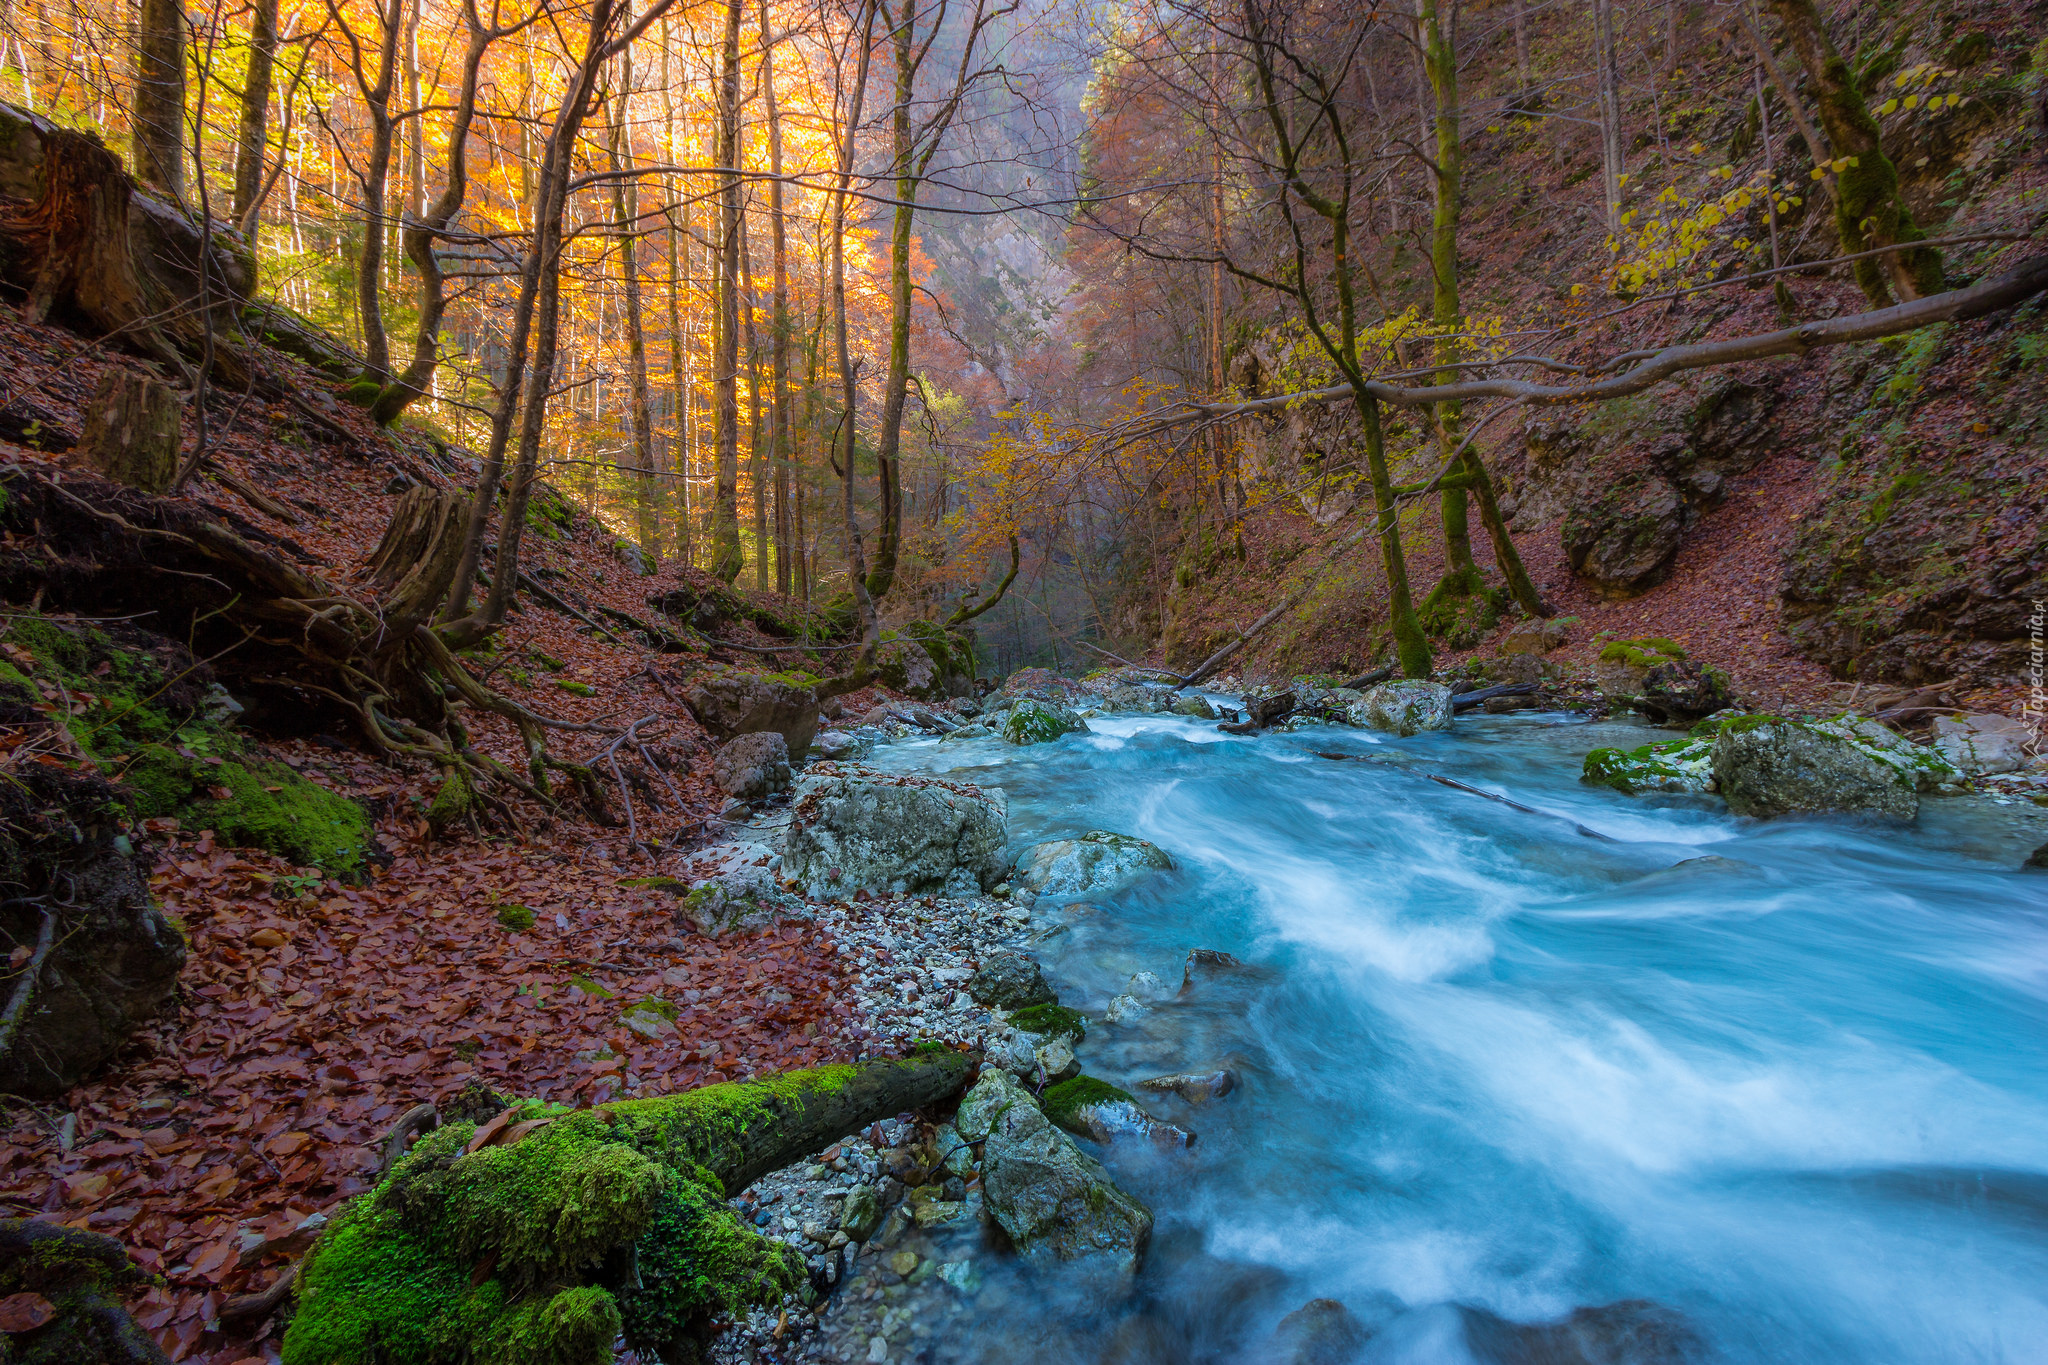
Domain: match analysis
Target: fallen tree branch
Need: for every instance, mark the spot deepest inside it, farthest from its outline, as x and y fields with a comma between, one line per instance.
x=1465, y=701
x=1453, y=783
x=264, y=1303
x=421, y=1117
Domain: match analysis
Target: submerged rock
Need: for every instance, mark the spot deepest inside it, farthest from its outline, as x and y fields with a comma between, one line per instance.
x=1051, y=1198
x=1403, y=708
x=1039, y=722
x=1196, y=1087
x=1631, y=1332
x=1320, y=1332
x=1203, y=963
x=1094, y=863
x=853, y=829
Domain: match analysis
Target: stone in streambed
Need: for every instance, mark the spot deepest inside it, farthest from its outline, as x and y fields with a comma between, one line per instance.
x=1196, y=705
x=854, y=829
x=1772, y=765
x=1196, y=1087
x=1010, y=981
x=1039, y=722
x=1631, y=1332
x=1204, y=963
x=861, y=1214
x=1054, y=1201
x=1403, y=708
x=1098, y=1110
x=1094, y=863
x=1980, y=744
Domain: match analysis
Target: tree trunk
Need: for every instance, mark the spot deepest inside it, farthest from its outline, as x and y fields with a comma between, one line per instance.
x=253, y=136
x=1868, y=209
x=756, y=457
x=1440, y=61
x=160, y=96
x=416, y=560
x=421, y=236
x=132, y=432
x=1607, y=85
x=374, y=180
x=778, y=394
x=626, y=209
x=727, y=558
x=1409, y=642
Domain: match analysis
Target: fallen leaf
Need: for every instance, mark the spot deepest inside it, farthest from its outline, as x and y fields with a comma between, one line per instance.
x=25, y=1312
x=267, y=938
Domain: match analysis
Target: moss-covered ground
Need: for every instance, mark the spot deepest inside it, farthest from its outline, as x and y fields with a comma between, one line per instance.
x=138, y=707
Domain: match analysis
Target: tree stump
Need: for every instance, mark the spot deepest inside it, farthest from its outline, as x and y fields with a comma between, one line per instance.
x=422, y=547
x=133, y=430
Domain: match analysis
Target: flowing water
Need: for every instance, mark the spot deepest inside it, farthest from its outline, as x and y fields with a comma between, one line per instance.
x=1785, y=1080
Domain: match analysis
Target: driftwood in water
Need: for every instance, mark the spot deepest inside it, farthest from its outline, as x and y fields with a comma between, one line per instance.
x=1465, y=701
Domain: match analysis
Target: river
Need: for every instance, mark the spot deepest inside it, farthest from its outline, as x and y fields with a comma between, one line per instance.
x=1786, y=1080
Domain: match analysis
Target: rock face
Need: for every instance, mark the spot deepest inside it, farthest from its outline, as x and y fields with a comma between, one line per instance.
x=1775, y=766
x=1096, y=863
x=731, y=704
x=853, y=829
x=752, y=766
x=1039, y=722
x=1052, y=1200
x=112, y=958
x=1404, y=708
x=1622, y=539
x=1982, y=744
x=1010, y=981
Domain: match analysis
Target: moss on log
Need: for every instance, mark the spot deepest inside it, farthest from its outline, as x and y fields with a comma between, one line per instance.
x=539, y=1237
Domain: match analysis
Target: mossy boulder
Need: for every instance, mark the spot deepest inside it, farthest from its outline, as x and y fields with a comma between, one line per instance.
x=1094, y=863
x=1050, y=1021
x=1673, y=765
x=924, y=660
x=1774, y=765
x=1407, y=707
x=1101, y=1112
x=1624, y=665
x=1030, y=721
x=146, y=712
x=1056, y=1203
x=854, y=829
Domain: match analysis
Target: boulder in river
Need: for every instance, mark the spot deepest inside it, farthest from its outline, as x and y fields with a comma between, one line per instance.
x=729, y=704
x=1098, y=1110
x=1010, y=981
x=1053, y=1200
x=1672, y=765
x=1203, y=963
x=1196, y=705
x=752, y=766
x=2037, y=861
x=1091, y=864
x=1407, y=707
x=1772, y=765
x=855, y=829
x=1039, y=722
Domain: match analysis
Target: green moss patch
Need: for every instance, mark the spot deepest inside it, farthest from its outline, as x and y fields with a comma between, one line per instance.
x=1051, y=1021
x=142, y=709
x=515, y=917
x=1064, y=1101
x=1644, y=653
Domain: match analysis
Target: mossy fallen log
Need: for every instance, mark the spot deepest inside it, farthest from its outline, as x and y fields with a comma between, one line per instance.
x=83, y=1277
x=544, y=1234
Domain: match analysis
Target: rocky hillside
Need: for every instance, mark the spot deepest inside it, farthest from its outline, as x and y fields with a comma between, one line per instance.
x=1867, y=515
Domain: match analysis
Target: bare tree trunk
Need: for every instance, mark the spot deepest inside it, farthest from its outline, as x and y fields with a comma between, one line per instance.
x=423, y=232
x=254, y=129
x=778, y=395
x=727, y=558
x=374, y=178
x=757, y=463
x=856, y=572
x=1522, y=49
x=160, y=96
x=626, y=209
x=1607, y=84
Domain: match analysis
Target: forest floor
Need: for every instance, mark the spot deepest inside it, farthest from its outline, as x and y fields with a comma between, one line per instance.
x=312, y=1012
